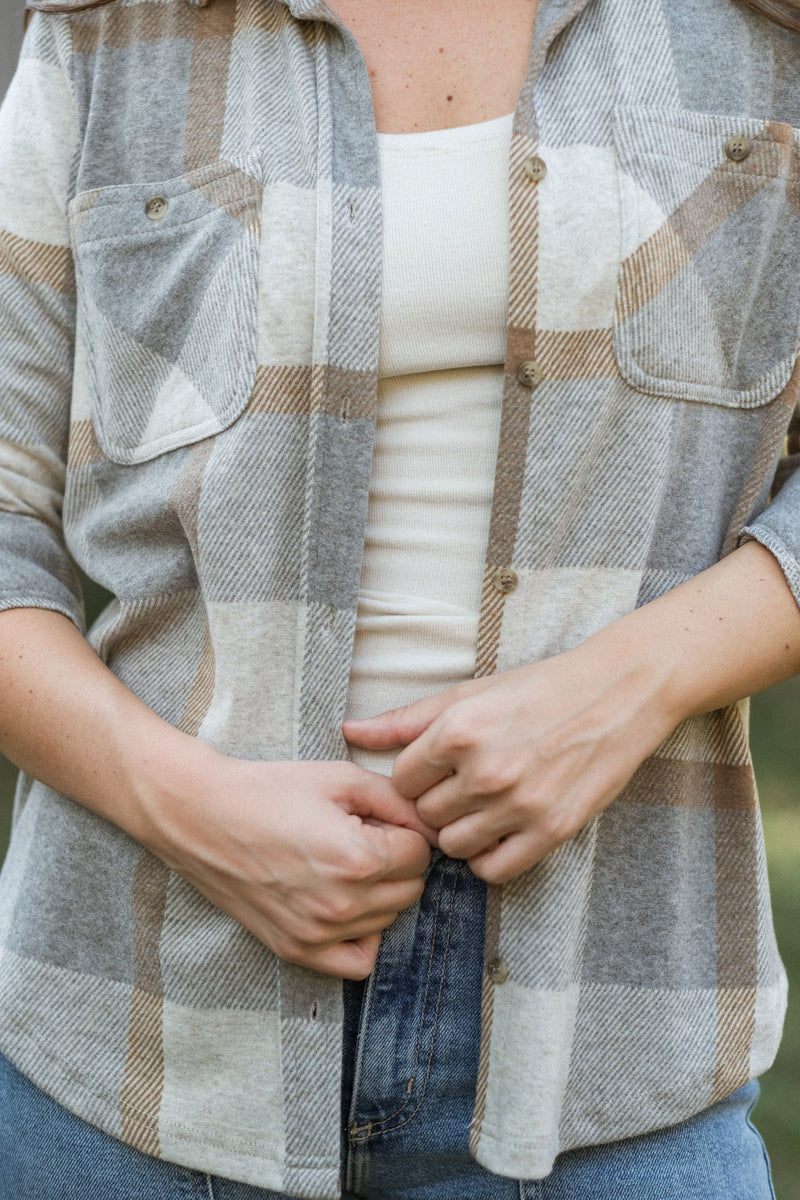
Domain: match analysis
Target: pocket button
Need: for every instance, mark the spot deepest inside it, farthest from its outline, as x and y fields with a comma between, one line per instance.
x=156, y=208
x=738, y=148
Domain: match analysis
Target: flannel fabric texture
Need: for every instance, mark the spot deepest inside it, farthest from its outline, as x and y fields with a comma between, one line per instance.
x=190, y=232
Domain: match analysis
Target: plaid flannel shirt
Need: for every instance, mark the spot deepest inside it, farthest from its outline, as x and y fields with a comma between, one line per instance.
x=190, y=233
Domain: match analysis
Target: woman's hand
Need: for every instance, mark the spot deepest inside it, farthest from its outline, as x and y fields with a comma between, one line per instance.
x=314, y=858
x=510, y=766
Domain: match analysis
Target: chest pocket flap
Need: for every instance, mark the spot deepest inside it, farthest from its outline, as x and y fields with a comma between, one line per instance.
x=168, y=288
x=708, y=301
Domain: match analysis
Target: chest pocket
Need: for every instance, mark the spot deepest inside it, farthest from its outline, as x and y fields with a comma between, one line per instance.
x=708, y=300
x=167, y=279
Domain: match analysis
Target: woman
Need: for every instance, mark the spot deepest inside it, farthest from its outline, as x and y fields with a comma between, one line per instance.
x=580, y=324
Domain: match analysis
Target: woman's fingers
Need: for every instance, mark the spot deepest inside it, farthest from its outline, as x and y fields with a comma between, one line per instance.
x=476, y=833
x=398, y=726
x=342, y=915
x=335, y=938
x=347, y=960
x=448, y=801
x=421, y=766
x=376, y=800
x=508, y=859
x=398, y=853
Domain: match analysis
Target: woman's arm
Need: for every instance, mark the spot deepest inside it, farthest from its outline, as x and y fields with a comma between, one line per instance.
x=315, y=859
x=510, y=766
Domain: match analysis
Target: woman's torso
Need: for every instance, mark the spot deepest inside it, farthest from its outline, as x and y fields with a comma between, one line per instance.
x=220, y=447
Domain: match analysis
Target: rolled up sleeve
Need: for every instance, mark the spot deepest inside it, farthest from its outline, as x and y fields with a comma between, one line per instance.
x=38, y=141
x=778, y=528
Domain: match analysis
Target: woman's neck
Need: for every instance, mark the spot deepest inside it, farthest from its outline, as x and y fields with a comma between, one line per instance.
x=435, y=64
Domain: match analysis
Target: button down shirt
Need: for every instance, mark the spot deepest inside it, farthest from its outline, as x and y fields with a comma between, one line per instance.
x=189, y=307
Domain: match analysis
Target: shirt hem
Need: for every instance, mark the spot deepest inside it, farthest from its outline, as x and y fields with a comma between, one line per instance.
x=45, y=1069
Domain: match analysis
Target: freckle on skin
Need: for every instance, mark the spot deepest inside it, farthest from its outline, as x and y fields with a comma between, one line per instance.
x=449, y=97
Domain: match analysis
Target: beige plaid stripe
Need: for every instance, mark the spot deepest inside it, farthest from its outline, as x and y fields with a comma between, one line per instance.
x=737, y=948
x=120, y=26
x=233, y=191
x=281, y=390
x=142, y=1085
x=692, y=785
x=202, y=691
x=649, y=269
x=212, y=43
x=294, y=390
x=37, y=262
x=494, y=899
x=84, y=450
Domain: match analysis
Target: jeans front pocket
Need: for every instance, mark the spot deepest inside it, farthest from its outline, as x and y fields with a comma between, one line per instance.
x=708, y=303
x=167, y=276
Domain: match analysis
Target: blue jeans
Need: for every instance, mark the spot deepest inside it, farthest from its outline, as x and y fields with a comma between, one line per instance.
x=411, y=1043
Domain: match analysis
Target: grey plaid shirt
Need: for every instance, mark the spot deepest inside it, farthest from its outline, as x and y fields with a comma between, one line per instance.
x=190, y=232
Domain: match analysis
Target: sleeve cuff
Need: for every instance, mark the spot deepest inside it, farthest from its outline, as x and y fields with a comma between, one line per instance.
x=35, y=569
x=786, y=560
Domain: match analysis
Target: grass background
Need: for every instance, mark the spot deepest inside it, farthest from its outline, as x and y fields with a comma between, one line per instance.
x=775, y=728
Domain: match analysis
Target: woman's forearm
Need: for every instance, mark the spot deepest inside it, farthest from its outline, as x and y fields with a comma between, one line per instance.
x=67, y=720
x=731, y=631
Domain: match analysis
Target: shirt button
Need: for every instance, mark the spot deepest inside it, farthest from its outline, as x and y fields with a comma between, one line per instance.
x=738, y=148
x=156, y=208
x=497, y=970
x=535, y=168
x=530, y=374
x=505, y=580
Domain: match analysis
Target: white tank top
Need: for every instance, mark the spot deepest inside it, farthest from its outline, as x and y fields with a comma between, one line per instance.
x=442, y=345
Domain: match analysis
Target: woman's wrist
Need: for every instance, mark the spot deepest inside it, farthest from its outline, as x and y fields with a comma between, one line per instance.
x=166, y=776
x=624, y=685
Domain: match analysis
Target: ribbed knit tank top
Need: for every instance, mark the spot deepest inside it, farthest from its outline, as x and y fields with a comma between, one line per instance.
x=442, y=345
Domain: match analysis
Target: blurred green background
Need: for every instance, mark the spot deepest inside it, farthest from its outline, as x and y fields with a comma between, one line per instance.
x=775, y=726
